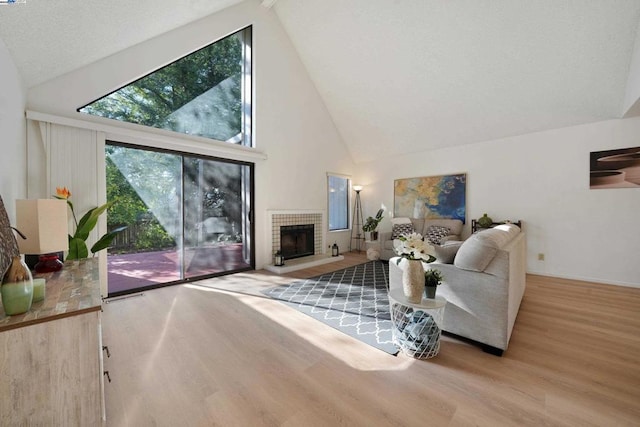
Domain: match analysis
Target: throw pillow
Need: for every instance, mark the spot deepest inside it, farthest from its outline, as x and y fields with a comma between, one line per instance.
x=446, y=253
x=435, y=233
x=400, y=229
x=476, y=253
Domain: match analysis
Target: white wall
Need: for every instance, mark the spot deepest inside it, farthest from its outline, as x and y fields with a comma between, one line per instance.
x=13, y=160
x=542, y=179
x=291, y=124
x=631, y=104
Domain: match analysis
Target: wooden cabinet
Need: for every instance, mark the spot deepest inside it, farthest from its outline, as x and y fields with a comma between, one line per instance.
x=51, y=357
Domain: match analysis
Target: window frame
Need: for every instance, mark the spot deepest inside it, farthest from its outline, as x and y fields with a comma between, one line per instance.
x=246, y=91
x=347, y=201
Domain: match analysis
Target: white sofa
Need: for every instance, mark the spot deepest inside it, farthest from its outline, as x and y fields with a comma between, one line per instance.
x=420, y=225
x=483, y=286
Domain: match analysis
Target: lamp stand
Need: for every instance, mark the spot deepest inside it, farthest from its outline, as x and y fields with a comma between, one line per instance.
x=356, y=225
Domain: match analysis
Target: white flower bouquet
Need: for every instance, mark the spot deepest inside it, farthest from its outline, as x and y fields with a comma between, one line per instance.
x=412, y=247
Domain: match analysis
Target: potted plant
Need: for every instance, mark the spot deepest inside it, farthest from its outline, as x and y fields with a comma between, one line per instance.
x=371, y=224
x=432, y=278
x=77, y=241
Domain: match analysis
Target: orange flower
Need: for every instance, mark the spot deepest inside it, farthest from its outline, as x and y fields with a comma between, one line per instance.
x=63, y=192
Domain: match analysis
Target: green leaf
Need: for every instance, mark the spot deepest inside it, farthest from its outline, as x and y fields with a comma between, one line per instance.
x=106, y=240
x=89, y=221
x=77, y=249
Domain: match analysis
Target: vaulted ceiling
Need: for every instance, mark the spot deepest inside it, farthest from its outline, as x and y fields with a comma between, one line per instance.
x=396, y=76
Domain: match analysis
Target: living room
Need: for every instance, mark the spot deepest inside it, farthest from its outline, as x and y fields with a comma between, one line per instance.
x=526, y=163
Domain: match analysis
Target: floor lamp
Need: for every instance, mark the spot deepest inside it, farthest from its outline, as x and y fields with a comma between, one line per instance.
x=357, y=221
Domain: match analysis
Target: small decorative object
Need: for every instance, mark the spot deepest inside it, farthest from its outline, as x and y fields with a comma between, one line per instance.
x=77, y=240
x=17, y=288
x=485, y=221
x=278, y=259
x=432, y=278
x=414, y=249
x=371, y=224
x=335, y=251
x=38, y=289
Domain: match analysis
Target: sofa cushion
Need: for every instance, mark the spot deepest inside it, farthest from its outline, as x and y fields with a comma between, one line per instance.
x=446, y=253
x=435, y=233
x=400, y=229
x=475, y=253
x=478, y=250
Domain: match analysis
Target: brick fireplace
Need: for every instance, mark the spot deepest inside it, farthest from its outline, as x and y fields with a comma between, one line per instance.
x=288, y=218
x=277, y=219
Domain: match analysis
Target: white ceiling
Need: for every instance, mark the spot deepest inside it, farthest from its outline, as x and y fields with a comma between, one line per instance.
x=48, y=38
x=397, y=76
x=408, y=75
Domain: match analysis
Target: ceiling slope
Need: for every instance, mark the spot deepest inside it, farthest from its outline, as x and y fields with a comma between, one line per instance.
x=411, y=75
x=48, y=38
x=397, y=76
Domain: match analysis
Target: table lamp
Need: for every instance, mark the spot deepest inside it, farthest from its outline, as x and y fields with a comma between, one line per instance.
x=44, y=223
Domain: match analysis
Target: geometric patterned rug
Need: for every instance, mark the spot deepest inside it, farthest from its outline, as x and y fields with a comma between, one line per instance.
x=353, y=300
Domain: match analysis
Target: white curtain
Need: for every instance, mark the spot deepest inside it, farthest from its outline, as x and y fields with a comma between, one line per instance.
x=65, y=156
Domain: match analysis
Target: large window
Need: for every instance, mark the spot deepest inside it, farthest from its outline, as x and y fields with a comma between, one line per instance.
x=206, y=93
x=338, y=189
x=187, y=217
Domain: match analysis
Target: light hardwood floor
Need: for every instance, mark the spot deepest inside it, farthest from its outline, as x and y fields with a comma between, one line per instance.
x=196, y=355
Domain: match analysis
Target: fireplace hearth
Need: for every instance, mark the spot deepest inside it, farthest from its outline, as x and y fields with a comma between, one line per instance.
x=297, y=240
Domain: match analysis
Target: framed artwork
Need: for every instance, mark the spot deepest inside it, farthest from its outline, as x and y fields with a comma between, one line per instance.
x=615, y=168
x=442, y=196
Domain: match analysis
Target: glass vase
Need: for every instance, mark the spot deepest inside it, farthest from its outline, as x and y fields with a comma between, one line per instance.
x=17, y=289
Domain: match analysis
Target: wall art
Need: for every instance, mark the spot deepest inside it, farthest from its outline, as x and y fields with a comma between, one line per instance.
x=615, y=168
x=441, y=196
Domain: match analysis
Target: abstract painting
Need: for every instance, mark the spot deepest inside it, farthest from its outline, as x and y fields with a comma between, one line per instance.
x=441, y=196
x=615, y=168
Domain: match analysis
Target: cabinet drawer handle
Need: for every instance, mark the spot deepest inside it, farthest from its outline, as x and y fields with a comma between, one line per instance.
x=108, y=376
x=106, y=348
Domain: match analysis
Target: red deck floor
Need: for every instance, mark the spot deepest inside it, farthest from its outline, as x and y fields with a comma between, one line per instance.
x=131, y=271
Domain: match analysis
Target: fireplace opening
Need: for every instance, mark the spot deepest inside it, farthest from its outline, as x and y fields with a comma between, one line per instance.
x=296, y=240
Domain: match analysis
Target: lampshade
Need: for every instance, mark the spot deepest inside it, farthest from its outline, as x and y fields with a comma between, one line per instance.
x=44, y=223
x=357, y=188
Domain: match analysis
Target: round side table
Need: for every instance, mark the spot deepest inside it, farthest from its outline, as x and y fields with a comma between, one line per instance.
x=416, y=327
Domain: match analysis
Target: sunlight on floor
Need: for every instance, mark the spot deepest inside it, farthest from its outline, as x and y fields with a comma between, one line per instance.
x=354, y=353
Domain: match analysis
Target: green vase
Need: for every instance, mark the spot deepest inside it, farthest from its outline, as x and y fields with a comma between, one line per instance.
x=17, y=296
x=485, y=221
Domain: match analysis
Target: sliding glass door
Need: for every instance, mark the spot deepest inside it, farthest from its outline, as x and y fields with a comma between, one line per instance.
x=187, y=217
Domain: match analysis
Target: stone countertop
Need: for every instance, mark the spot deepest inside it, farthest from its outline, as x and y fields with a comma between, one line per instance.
x=71, y=291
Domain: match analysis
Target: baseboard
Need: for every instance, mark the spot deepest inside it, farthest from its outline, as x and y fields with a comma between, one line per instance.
x=587, y=279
